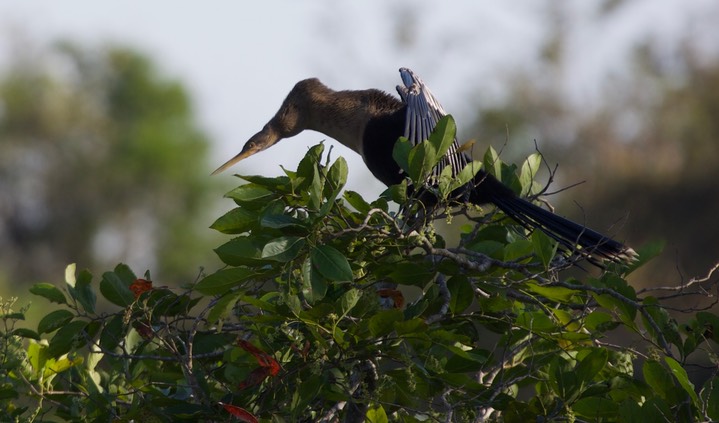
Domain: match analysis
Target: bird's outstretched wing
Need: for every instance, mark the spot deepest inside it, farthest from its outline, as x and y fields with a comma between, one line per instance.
x=423, y=113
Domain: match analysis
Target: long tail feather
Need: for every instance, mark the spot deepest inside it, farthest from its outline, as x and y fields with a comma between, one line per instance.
x=572, y=236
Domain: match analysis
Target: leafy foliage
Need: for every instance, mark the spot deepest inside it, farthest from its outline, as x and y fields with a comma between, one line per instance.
x=332, y=306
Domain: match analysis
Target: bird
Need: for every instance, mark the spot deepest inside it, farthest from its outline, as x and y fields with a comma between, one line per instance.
x=371, y=121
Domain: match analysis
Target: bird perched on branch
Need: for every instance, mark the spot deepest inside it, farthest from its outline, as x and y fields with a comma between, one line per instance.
x=371, y=121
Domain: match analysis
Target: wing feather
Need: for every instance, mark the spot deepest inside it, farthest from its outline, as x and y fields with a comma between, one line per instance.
x=423, y=113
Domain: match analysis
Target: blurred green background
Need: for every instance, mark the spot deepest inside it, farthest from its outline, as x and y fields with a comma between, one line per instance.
x=113, y=116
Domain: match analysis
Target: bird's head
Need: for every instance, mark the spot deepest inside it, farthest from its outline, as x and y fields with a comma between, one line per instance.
x=293, y=117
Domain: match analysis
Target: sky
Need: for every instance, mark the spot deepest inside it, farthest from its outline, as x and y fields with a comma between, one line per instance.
x=240, y=59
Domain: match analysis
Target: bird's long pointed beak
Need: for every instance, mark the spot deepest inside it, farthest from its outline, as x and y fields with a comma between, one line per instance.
x=260, y=141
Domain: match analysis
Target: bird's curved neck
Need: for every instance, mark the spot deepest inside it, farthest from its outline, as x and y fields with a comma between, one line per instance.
x=344, y=115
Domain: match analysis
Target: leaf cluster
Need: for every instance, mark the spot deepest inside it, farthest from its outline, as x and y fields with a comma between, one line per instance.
x=331, y=306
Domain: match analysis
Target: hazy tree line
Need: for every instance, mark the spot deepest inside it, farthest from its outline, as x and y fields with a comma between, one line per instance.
x=101, y=160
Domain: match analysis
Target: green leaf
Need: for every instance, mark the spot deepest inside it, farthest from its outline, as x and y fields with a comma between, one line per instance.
x=400, y=153
x=600, y=321
x=115, y=290
x=631, y=412
x=467, y=173
x=223, y=280
x=492, y=163
x=535, y=321
x=591, y=364
x=461, y=292
x=398, y=192
x=315, y=191
x=667, y=325
x=596, y=408
x=281, y=221
x=283, y=249
x=112, y=333
x=250, y=193
x=331, y=263
x=58, y=366
x=65, y=337
x=309, y=390
x=26, y=333
x=408, y=273
x=545, y=247
x=276, y=183
x=553, y=293
x=412, y=326
x=530, y=167
x=70, y=274
x=659, y=379
x=376, y=414
x=337, y=175
x=445, y=182
x=646, y=253
x=223, y=306
x=443, y=135
x=314, y=285
x=626, y=312
x=49, y=291
x=519, y=249
x=463, y=361
x=240, y=251
x=125, y=274
x=308, y=165
x=54, y=320
x=349, y=299
x=681, y=376
x=383, y=322
x=422, y=159
x=356, y=201
x=710, y=397
x=236, y=221
x=82, y=291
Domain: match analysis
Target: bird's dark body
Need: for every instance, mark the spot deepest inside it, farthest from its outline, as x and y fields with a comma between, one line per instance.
x=382, y=132
x=380, y=135
x=371, y=121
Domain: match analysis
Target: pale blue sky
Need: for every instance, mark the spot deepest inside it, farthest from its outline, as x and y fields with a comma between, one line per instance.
x=240, y=59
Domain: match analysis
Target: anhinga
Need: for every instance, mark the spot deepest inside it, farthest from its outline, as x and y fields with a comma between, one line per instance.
x=371, y=121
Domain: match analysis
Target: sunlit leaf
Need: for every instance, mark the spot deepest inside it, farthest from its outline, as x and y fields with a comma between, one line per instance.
x=314, y=284
x=376, y=414
x=236, y=221
x=443, y=135
x=530, y=167
x=356, y=201
x=545, y=247
x=82, y=291
x=49, y=291
x=283, y=249
x=681, y=376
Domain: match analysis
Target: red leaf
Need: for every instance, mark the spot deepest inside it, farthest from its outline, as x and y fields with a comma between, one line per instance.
x=140, y=286
x=394, y=294
x=143, y=329
x=263, y=359
x=240, y=413
x=255, y=378
x=268, y=365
